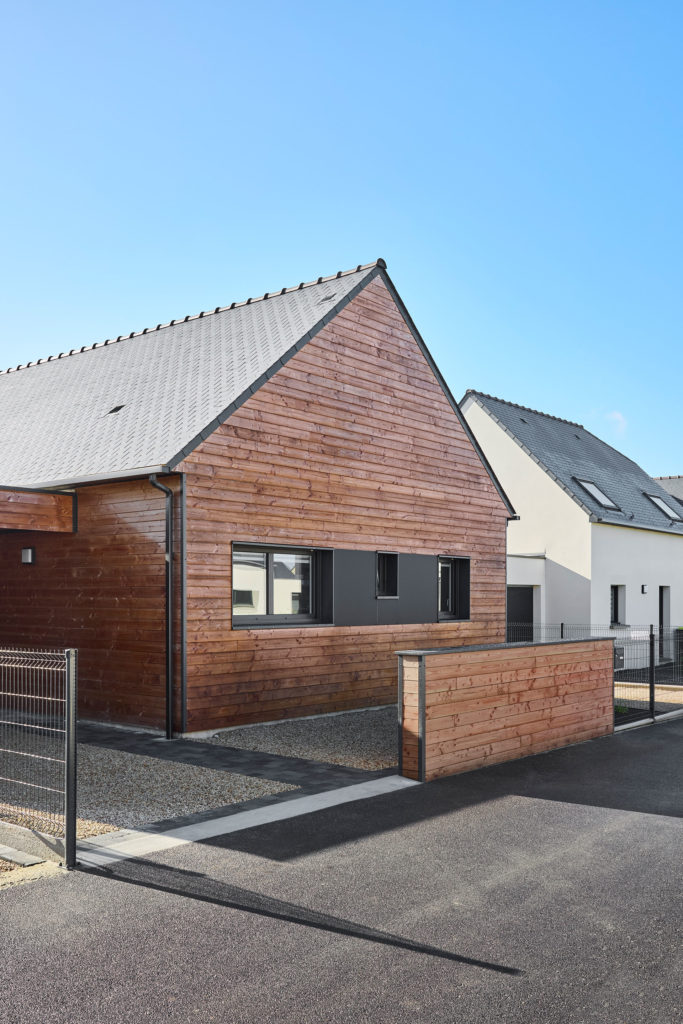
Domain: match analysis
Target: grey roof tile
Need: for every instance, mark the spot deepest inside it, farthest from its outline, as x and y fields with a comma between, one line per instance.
x=672, y=484
x=171, y=382
x=569, y=452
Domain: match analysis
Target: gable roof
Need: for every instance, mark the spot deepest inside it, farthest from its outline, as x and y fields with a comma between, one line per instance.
x=139, y=403
x=173, y=385
x=569, y=453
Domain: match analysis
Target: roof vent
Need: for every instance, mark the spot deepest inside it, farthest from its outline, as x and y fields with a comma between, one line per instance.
x=117, y=408
x=523, y=420
x=326, y=298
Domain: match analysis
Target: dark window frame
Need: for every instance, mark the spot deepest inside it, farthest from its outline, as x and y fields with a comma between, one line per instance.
x=271, y=620
x=615, y=609
x=381, y=575
x=459, y=598
x=667, y=509
x=610, y=504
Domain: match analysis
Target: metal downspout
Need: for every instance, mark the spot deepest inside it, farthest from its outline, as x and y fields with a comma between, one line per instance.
x=169, y=602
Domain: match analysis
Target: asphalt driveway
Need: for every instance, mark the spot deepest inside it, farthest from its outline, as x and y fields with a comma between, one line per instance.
x=547, y=890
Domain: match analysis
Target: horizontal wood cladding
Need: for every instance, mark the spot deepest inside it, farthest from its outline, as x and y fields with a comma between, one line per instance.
x=352, y=444
x=484, y=707
x=102, y=591
x=36, y=510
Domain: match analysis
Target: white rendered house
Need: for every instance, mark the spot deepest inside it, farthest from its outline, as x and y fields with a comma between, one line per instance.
x=597, y=541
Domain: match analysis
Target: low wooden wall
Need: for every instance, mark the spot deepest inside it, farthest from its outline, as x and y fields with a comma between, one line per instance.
x=466, y=707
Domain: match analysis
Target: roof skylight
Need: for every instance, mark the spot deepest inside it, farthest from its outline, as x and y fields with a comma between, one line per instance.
x=664, y=507
x=596, y=493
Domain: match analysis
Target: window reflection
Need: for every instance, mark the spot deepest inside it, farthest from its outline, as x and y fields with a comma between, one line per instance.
x=249, y=583
x=291, y=583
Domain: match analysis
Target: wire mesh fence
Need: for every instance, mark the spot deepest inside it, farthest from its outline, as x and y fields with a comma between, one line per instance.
x=38, y=743
x=648, y=663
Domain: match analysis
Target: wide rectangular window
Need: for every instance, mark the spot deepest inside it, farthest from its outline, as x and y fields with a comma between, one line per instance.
x=454, y=587
x=274, y=586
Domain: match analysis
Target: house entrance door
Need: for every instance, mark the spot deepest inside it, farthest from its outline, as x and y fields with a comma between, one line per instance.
x=520, y=614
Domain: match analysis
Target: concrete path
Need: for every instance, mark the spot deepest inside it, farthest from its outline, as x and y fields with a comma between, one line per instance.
x=547, y=890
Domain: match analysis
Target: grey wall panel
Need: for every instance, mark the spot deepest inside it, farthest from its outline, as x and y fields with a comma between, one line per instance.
x=355, y=603
x=417, y=592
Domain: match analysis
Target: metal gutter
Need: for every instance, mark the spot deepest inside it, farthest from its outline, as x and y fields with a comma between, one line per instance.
x=169, y=602
x=97, y=478
x=183, y=604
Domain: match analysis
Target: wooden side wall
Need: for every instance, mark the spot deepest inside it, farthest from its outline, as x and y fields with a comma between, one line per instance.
x=36, y=510
x=352, y=444
x=484, y=707
x=100, y=590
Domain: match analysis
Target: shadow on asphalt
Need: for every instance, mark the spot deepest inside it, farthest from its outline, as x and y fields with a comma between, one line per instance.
x=640, y=770
x=195, y=886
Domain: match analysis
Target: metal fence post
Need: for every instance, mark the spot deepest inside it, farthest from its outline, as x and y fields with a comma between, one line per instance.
x=562, y=631
x=652, y=672
x=70, y=758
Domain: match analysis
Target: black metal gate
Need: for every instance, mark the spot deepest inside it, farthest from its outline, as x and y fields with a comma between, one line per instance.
x=38, y=743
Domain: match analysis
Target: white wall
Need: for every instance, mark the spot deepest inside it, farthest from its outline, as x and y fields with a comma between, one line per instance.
x=551, y=523
x=630, y=558
x=530, y=572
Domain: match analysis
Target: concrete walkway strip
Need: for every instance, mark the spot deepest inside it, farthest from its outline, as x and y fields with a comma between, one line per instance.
x=140, y=844
x=19, y=857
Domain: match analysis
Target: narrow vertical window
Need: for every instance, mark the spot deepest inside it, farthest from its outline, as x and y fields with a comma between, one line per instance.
x=617, y=603
x=454, y=587
x=387, y=574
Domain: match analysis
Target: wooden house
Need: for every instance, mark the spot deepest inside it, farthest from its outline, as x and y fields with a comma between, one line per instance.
x=240, y=516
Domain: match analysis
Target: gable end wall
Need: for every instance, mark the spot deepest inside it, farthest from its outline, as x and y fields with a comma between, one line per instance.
x=352, y=444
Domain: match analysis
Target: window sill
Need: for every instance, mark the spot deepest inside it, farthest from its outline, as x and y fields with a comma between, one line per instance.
x=261, y=624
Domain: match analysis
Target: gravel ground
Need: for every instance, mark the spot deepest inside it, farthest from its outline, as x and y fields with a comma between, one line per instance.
x=120, y=790
x=7, y=865
x=357, y=739
x=129, y=790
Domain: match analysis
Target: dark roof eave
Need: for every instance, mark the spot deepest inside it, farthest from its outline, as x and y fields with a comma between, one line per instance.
x=95, y=478
x=671, y=532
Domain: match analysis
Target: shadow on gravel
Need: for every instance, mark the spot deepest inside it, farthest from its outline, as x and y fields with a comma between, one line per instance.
x=195, y=886
x=639, y=771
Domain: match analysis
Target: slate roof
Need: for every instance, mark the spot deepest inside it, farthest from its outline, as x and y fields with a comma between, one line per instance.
x=174, y=384
x=568, y=452
x=672, y=484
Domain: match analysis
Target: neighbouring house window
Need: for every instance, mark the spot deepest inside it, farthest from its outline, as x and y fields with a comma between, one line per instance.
x=664, y=507
x=454, y=587
x=387, y=574
x=597, y=493
x=273, y=586
x=617, y=605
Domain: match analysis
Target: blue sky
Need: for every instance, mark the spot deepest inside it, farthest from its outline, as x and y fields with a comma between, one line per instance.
x=518, y=165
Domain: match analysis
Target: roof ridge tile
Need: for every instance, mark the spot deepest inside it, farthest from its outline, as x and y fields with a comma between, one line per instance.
x=196, y=316
x=526, y=408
